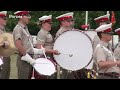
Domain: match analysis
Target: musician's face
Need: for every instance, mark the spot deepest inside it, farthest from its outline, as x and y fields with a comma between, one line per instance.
x=68, y=23
x=107, y=37
x=3, y=21
x=102, y=23
x=26, y=19
x=47, y=25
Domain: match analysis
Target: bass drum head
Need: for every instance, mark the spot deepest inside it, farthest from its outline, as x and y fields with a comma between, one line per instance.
x=75, y=48
x=44, y=67
x=91, y=34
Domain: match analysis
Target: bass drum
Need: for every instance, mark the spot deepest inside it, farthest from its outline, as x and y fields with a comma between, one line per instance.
x=75, y=48
x=91, y=34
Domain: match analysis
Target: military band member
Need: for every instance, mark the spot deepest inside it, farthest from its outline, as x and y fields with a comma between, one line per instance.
x=107, y=65
x=101, y=21
x=44, y=37
x=117, y=49
x=5, y=72
x=66, y=23
x=23, y=40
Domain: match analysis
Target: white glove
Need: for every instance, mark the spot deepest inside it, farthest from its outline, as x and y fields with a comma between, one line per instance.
x=28, y=59
x=1, y=61
x=38, y=51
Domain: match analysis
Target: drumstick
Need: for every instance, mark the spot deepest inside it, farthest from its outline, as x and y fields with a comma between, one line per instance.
x=33, y=74
x=43, y=52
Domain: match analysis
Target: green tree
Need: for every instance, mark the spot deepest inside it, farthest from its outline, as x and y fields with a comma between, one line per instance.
x=78, y=15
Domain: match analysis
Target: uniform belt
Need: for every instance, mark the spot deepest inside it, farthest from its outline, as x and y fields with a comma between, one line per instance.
x=28, y=53
x=110, y=74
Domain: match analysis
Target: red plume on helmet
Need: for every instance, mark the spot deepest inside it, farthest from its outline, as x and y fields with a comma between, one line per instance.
x=113, y=21
x=84, y=26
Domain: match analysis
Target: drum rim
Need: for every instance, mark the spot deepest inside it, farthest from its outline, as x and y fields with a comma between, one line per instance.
x=92, y=47
x=69, y=30
x=48, y=59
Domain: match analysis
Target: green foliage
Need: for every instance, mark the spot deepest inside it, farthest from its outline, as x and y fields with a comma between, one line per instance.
x=78, y=15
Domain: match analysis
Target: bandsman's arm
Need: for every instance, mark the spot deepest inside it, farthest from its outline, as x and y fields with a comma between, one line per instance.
x=41, y=41
x=18, y=41
x=19, y=46
x=101, y=59
x=117, y=55
x=41, y=38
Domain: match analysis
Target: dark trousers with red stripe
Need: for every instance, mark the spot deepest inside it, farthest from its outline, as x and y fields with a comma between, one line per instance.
x=5, y=71
x=24, y=69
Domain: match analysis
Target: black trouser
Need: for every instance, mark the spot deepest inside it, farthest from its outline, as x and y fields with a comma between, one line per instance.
x=24, y=69
x=39, y=76
x=108, y=76
x=5, y=71
x=66, y=74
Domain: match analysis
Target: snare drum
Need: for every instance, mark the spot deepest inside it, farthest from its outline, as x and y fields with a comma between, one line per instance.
x=75, y=48
x=44, y=67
